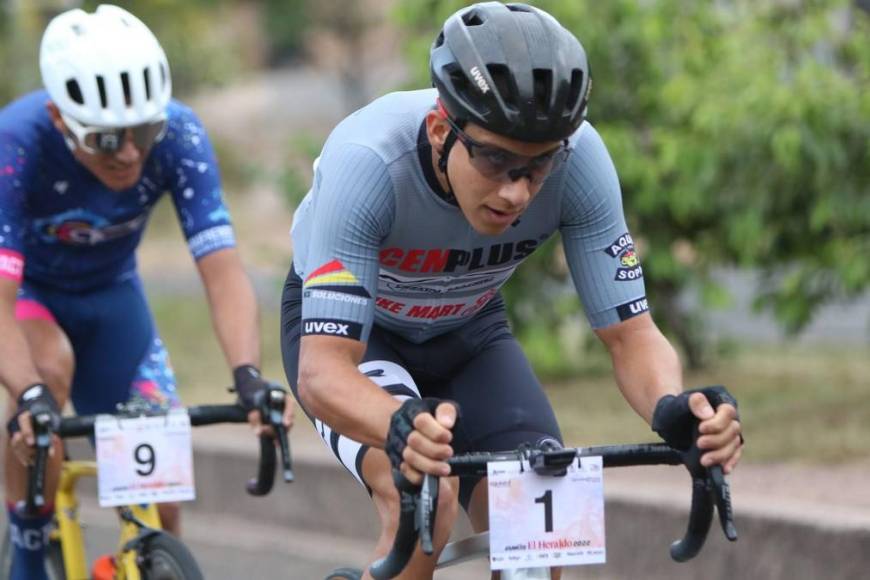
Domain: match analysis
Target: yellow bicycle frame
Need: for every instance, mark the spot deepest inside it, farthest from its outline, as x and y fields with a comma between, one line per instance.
x=69, y=531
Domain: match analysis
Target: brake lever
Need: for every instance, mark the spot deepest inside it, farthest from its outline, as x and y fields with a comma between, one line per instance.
x=427, y=508
x=722, y=494
x=275, y=405
x=42, y=429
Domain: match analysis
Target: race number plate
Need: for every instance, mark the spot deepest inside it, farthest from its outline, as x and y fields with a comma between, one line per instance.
x=144, y=460
x=537, y=521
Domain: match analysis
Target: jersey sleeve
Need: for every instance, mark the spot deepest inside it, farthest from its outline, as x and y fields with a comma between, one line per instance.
x=337, y=238
x=194, y=182
x=15, y=169
x=601, y=256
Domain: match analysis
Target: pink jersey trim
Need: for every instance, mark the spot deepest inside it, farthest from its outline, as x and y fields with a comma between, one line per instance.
x=11, y=264
x=32, y=310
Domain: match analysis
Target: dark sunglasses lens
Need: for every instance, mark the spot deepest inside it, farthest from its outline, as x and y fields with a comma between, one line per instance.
x=541, y=167
x=144, y=136
x=494, y=163
x=105, y=141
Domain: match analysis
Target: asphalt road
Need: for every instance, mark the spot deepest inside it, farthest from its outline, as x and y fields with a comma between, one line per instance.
x=233, y=548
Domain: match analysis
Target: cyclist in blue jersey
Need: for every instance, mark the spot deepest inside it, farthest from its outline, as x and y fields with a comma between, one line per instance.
x=423, y=204
x=82, y=164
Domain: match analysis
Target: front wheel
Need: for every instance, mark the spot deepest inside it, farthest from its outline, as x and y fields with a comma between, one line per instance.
x=345, y=574
x=163, y=557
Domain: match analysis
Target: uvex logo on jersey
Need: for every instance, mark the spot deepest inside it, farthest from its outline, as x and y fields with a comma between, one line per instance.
x=325, y=326
x=628, y=267
x=451, y=259
x=333, y=281
x=633, y=308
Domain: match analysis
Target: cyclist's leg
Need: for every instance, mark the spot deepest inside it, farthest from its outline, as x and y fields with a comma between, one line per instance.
x=369, y=466
x=52, y=355
x=124, y=359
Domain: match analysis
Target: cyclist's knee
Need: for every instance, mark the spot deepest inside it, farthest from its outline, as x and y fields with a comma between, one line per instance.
x=57, y=374
x=52, y=354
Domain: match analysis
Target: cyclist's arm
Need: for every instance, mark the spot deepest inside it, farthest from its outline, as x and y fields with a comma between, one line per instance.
x=334, y=390
x=233, y=306
x=645, y=364
x=195, y=186
x=17, y=370
x=647, y=368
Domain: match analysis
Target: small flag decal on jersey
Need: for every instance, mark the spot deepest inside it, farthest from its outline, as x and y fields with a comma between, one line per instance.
x=335, y=277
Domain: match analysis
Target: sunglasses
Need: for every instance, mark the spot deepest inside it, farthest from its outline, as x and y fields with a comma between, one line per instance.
x=108, y=141
x=501, y=165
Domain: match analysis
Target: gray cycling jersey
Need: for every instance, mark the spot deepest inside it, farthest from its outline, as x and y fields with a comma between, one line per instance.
x=374, y=242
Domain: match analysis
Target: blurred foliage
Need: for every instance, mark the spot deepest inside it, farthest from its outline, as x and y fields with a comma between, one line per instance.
x=740, y=131
x=285, y=23
x=207, y=42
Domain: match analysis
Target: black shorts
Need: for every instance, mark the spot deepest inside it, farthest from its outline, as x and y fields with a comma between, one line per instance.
x=480, y=366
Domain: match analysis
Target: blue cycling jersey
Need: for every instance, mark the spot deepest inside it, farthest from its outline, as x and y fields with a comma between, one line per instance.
x=75, y=234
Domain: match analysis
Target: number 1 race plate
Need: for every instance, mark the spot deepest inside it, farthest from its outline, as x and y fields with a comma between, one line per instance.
x=537, y=521
x=144, y=460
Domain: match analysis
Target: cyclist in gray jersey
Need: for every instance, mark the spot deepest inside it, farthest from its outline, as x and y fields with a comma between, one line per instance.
x=423, y=204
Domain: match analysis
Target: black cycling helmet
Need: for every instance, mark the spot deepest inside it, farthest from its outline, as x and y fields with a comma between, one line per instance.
x=512, y=69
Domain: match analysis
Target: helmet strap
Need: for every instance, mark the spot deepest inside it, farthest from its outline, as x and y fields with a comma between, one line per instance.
x=449, y=142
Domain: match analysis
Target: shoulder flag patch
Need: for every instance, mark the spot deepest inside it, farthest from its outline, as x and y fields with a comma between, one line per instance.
x=335, y=277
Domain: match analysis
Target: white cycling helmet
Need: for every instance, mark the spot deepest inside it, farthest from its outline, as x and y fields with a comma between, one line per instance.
x=104, y=69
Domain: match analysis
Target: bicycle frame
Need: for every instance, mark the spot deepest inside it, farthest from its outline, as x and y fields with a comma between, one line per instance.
x=69, y=530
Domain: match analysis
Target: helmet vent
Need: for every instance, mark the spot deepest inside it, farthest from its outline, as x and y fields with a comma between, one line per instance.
x=543, y=83
x=518, y=8
x=77, y=29
x=472, y=18
x=162, y=75
x=460, y=83
x=101, y=86
x=147, y=78
x=125, y=83
x=574, y=89
x=74, y=91
x=440, y=40
x=504, y=84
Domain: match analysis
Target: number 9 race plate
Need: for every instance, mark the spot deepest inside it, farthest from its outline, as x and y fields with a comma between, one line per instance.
x=144, y=459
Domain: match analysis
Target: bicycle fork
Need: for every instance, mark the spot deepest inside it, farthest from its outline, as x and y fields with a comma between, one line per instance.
x=69, y=529
x=138, y=523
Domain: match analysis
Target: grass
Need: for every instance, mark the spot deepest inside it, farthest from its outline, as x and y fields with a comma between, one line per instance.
x=200, y=368
x=797, y=403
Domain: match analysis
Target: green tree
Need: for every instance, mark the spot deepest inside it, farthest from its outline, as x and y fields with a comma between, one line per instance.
x=740, y=131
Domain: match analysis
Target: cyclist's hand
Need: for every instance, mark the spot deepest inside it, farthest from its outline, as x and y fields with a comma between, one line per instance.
x=719, y=430
x=418, y=441
x=36, y=400
x=252, y=390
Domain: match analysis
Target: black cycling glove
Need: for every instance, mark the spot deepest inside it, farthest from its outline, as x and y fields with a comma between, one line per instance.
x=38, y=401
x=251, y=387
x=674, y=421
x=402, y=424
